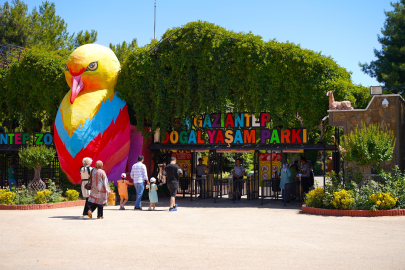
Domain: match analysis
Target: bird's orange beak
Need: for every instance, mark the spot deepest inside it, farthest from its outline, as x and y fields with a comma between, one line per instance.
x=77, y=86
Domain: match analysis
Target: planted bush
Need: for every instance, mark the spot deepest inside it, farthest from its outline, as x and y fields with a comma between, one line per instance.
x=42, y=196
x=343, y=200
x=72, y=195
x=7, y=197
x=315, y=197
x=383, y=200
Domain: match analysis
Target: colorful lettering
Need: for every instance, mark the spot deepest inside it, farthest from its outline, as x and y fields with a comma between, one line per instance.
x=191, y=138
x=249, y=136
x=296, y=136
x=211, y=135
x=220, y=137
x=285, y=136
x=229, y=136
x=274, y=136
x=265, y=135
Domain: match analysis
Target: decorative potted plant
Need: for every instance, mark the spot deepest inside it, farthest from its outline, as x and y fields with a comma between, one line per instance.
x=36, y=157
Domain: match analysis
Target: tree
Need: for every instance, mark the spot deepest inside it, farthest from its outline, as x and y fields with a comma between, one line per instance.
x=15, y=23
x=123, y=50
x=36, y=157
x=389, y=68
x=367, y=146
x=40, y=29
x=82, y=39
x=49, y=30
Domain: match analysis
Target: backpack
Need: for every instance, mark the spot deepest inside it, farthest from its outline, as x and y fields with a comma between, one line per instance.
x=88, y=169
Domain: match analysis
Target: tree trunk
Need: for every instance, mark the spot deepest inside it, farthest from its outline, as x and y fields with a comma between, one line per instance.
x=37, y=184
x=366, y=173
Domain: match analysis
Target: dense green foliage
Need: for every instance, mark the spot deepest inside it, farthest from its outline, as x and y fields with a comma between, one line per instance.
x=39, y=29
x=390, y=63
x=368, y=145
x=123, y=50
x=202, y=67
x=36, y=156
x=386, y=193
x=34, y=87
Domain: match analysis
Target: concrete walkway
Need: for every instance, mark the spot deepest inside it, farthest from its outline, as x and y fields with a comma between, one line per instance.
x=201, y=235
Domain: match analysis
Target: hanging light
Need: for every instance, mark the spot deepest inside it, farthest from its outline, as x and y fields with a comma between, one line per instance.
x=385, y=103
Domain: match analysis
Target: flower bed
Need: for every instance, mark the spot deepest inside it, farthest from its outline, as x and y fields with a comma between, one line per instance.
x=43, y=206
x=352, y=213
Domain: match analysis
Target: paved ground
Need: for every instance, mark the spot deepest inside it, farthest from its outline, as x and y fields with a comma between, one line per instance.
x=201, y=235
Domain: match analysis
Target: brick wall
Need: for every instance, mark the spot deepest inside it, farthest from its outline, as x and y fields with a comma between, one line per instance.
x=392, y=118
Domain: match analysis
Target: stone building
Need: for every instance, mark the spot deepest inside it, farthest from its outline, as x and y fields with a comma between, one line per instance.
x=392, y=117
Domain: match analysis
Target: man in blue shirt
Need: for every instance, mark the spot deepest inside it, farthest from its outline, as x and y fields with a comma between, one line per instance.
x=12, y=176
x=238, y=173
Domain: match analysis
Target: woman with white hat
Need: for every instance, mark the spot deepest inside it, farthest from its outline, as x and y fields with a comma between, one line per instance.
x=85, y=175
x=153, y=197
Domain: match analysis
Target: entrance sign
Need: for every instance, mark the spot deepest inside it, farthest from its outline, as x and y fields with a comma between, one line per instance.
x=24, y=138
x=232, y=129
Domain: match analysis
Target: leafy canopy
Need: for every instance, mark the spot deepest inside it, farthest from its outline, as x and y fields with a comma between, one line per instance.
x=33, y=87
x=123, y=50
x=39, y=29
x=390, y=64
x=36, y=156
x=203, y=68
x=368, y=145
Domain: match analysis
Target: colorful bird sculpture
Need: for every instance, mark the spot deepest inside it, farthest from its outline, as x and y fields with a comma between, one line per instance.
x=92, y=121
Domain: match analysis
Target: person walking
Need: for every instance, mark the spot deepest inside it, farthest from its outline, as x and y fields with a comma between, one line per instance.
x=123, y=190
x=99, y=190
x=172, y=172
x=139, y=175
x=284, y=173
x=305, y=174
x=153, y=197
x=12, y=176
x=85, y=176
x=238, y=173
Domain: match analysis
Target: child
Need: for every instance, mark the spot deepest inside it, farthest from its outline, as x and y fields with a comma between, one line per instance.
x=123, y=190
x=153, y=198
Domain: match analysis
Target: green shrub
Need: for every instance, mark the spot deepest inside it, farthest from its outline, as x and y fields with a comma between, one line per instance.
x=42, y=196
x=7, y=197
x=314, y=198
x=383, y=200
x=25, y=196
x=343, y=200
x=72, y=195
x=56, y=195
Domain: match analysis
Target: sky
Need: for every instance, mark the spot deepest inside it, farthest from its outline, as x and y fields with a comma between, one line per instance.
x=346, y=30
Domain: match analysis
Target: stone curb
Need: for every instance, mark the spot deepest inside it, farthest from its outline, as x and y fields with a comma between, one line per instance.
x=42, y=206
x=352, y=213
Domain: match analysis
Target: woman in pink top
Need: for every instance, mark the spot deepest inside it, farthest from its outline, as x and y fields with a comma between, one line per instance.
x=99, y=190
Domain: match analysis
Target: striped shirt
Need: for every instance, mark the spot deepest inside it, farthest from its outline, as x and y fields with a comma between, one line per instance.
x=139, y=173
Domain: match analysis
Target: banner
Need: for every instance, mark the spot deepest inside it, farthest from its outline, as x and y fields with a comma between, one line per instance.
x=184, y=162
x=265, y=161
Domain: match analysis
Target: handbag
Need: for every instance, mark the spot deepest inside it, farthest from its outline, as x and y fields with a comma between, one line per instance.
x=88, y=185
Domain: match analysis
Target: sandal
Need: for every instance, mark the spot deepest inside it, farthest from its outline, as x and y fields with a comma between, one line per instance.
x=90, y=214
x=149, y=209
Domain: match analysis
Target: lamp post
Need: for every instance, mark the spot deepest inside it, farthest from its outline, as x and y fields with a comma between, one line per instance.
x=154, y=25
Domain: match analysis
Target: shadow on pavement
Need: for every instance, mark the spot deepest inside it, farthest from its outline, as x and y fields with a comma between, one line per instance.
x=72, y=218
x=220, y=203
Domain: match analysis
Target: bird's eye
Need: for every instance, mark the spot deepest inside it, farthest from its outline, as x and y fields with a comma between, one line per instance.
x=66, y=68
x=92, y=66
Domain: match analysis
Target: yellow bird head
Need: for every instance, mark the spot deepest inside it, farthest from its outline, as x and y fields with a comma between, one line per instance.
x=90, y=68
